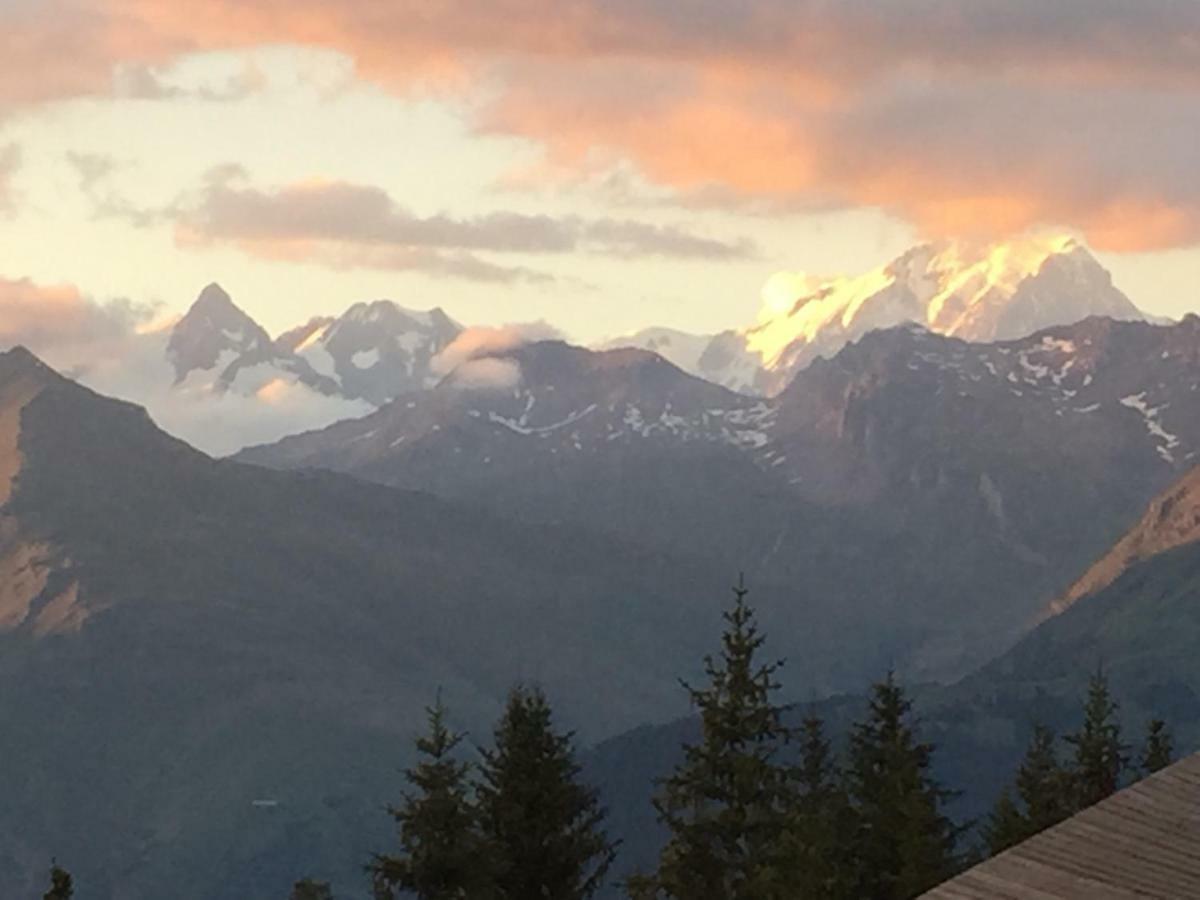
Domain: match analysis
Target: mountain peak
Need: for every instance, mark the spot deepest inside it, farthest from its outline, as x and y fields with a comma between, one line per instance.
x=214, y=332
x=977, y=292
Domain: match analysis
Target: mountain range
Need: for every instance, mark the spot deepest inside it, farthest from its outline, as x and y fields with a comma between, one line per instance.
x=1133, y=614
x=217, y=665
x=217, y=379
x=1021, y=461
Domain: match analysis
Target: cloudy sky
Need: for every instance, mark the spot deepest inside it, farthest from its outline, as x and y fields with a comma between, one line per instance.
x=600, y=164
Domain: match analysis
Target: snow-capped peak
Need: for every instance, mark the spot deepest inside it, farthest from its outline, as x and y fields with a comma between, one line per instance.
x=969, y=290
x=213, y=333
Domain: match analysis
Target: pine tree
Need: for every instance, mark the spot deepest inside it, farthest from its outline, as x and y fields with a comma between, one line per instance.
x=1043, y=789
x=726, y=804
x=441, y=849
x=1158, y=750
x=814, y=863
x=1099, y=757
x=542, y=826
x=308, y=889
x=904, y=843
x=61, y=886
x=1006, y=826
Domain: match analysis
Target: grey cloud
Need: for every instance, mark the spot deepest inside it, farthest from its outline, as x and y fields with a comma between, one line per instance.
x=358, y=225
x=136, y=81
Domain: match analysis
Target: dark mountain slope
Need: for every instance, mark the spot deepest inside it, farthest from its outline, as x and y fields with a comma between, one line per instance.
x=1142, y=626
x=922, y=498
x=209, y=672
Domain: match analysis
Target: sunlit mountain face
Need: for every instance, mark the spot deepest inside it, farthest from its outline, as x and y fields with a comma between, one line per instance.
x=975, y=292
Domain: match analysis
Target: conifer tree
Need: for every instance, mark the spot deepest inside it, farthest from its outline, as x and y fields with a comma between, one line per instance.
x=1099, y=755
x=815, y=863
x=726, y=804
x=441, y=849
x=1158, y=750
x=542, y=827
x=1043, y=790
x=309, y=889
x=1006, y=825
x=61, y=885
x=904, y=843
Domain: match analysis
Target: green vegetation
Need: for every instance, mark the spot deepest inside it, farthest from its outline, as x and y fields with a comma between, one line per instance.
x=61, y=885
x=756, y=809
x=442, y=852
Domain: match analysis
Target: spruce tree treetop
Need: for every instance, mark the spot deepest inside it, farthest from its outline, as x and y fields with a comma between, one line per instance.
x=1158, y=751
x=309, y=889
x=541, y=825
x=442, y=853
x=1099, y=756
x=815, y=861
x=726, y=803
x=905, y=844
x=1044, y=792
x=61, y=885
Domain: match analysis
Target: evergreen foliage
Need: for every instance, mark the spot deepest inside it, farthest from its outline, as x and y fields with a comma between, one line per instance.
x=309, y=889
x=542, y=827
x=61, y=885
x=816, y=862
x=1099, y=756
x=727, y=803
x=442, y=853
x=1044, y=791
x=904, y=844
x=1159, y=748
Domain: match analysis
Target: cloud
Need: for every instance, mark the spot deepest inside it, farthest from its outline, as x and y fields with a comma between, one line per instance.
x=348, y=226
x=113, y=348
x=136, y=81
x=92, y=168
x=59, y=320
x=10, y=162
x=962, y=116
x=488, y=374
x=482, y=342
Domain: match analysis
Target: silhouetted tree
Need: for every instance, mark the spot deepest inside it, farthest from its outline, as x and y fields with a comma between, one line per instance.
x=442, y=853
x=727, y=804
x=308, y=889
x=1099, y=755
x=61, y=886
x=1043, y=789
x=1159, y=748
x=815, y=859
x=541, y=825
x=904, y=844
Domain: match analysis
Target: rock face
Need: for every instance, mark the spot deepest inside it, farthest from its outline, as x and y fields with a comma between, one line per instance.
x=925, y=497
x=372, y=352
x=1001, y=292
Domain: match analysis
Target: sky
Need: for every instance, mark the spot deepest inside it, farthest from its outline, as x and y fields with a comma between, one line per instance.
x=602, y=165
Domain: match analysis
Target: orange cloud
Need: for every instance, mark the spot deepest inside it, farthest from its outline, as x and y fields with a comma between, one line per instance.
x=962, y=116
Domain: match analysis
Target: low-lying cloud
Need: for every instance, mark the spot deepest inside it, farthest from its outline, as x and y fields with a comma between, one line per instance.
x=482, y=342
x=111, y=348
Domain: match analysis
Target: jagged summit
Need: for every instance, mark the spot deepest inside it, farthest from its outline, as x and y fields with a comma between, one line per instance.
x=213, y=334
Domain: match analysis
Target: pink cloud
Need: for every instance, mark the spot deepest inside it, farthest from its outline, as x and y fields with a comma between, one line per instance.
x=963, y=116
